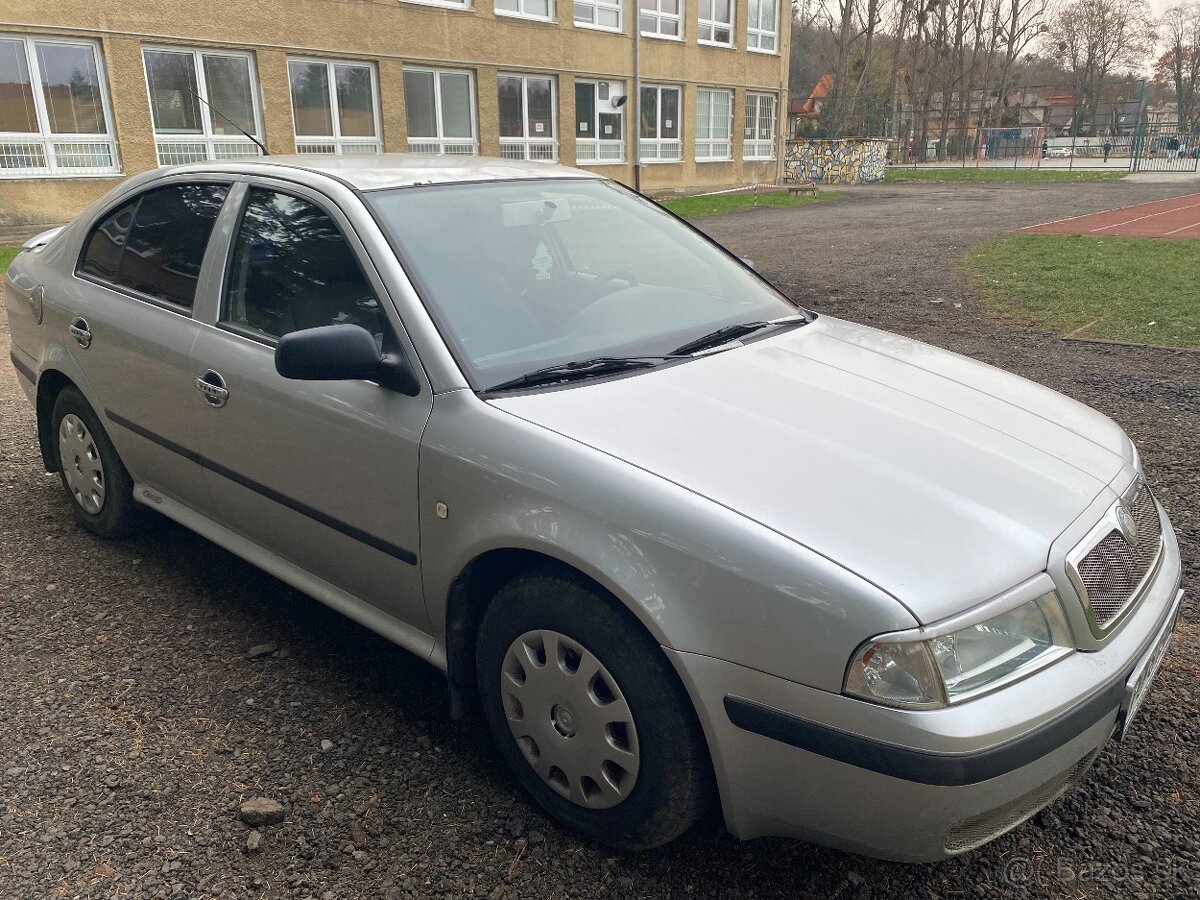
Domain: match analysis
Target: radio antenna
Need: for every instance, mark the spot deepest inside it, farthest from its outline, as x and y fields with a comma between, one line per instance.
x=261, y=146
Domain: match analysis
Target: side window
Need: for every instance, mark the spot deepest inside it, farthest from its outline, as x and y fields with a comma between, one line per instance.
x=102, y=255
x=291, y=269
x=155, y=245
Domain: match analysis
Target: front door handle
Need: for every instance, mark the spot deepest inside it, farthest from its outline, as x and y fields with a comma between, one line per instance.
x=212, y=386
x=81, y=332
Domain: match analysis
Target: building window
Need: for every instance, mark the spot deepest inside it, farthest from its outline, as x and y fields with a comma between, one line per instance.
x=199, y=99
x=659, y=138
x=760, y=127
x=525, y=9
x=714, y=124
x=599, y=122
x=54, y=116
x=527, y=117
x=761, y=33
x=715, y=24
x=604, y=14
x=440, y=105
x=662, y=18
x=333, y=107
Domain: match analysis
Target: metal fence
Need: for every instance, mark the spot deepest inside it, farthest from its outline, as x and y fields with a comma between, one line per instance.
x=1159, y=147
x=1166, y=148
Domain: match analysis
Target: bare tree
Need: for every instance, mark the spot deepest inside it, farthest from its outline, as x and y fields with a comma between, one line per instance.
x=940, y=67
x=1096, y=39
x=1018, y=24
x=1178, y=69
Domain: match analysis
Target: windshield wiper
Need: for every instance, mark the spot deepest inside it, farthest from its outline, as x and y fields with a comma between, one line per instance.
x=576, y=371
x=729, y=333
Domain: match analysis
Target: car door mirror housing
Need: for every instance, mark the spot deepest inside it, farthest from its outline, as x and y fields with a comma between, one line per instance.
x=343, y=353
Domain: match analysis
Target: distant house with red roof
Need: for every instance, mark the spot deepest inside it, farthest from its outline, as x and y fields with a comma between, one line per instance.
x=809, y=110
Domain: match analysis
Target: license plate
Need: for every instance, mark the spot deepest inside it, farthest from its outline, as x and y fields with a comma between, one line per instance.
x=1138, y=685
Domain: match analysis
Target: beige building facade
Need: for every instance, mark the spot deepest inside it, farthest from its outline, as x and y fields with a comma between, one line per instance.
x=91, y=93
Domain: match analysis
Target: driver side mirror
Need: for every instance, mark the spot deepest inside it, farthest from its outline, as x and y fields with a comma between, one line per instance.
x=343, y=353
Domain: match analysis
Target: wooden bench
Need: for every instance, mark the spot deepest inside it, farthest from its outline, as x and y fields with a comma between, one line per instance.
x=795, y=188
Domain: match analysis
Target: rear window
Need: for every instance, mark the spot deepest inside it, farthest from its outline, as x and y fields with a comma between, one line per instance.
x=155, y=243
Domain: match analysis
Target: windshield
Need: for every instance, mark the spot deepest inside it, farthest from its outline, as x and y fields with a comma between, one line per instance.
x=521, y=275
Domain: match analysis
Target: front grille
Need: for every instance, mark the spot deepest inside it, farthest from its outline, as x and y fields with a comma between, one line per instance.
x=978, y=830
x=1113, y=570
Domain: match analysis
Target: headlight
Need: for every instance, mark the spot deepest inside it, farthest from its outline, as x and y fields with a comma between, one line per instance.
x=932, y=672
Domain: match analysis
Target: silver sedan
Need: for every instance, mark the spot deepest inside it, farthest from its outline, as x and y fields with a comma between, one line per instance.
x=681, y=541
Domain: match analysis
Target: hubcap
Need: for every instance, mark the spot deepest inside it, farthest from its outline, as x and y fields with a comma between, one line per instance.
x=570, y=719
x=81, y=465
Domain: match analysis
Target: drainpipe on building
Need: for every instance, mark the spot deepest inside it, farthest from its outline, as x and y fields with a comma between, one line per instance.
x=781, y=136
x=637, y=97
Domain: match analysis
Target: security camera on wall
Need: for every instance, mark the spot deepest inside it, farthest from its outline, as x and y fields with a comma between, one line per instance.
x=618, y=102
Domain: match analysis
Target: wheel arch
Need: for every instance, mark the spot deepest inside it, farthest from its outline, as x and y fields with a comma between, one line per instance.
x=49, y=385
x=474, y=588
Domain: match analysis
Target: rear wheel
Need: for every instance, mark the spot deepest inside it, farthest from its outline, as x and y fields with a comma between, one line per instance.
x=92, y=473
x=589, y=713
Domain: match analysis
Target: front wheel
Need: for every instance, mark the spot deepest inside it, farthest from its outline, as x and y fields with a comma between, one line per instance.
x=589, y=714
x=92, y=473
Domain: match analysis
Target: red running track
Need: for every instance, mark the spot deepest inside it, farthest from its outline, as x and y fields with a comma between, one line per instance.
x=1178, y=217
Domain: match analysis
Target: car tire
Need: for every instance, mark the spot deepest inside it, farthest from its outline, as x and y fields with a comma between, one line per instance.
x=96, y=481
x=601, y=732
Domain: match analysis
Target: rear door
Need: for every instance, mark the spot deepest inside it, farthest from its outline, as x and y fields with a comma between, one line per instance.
x=128, y=314
x=323, y=474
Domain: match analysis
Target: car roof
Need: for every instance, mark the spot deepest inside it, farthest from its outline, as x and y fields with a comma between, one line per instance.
x=390, y=170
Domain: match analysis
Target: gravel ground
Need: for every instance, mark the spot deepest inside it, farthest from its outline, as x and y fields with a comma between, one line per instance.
x=152, y=686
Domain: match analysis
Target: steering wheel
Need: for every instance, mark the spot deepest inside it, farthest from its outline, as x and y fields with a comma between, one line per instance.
x=618, y=275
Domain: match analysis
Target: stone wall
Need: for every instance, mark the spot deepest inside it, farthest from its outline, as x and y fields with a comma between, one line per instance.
x=844, y=161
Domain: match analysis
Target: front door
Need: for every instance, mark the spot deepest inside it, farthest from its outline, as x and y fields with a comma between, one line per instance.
x=323, y=474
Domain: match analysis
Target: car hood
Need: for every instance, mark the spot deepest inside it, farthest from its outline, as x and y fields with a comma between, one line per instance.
x=940, y=479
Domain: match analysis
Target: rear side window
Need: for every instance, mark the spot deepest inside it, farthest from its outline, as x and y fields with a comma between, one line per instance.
x=292, y=269
x=155, y=244
x=102, y=257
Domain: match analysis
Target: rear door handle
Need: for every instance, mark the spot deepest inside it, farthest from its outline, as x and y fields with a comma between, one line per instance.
x=212, y=386
x=80, y=331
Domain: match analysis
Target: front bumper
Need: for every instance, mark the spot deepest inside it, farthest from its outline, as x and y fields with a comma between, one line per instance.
x=916, y=786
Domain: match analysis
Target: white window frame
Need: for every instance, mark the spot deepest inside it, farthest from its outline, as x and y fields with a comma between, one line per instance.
x=215, y=146
x=710, y=26
x=596, y=5
x=442, y=145
x=706, y=146
x=441, y=4
x=529, y=145
x=659, y=17
x=756, y=145
x=653, y=151
x=54, y=147
x=755, y=31
x=336, y=143
x=519, y=12
x=596, y=147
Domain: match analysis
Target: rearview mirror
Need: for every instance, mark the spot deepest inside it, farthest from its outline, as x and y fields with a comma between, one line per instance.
x=342, y=353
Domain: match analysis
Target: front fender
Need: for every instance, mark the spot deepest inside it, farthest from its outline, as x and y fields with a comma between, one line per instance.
x=701, y=578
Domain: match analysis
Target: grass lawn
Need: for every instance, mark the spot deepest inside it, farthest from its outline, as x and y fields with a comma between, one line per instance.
x=1141, y=290
x=971, y=175
x=694, y=207
x=6, y=256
